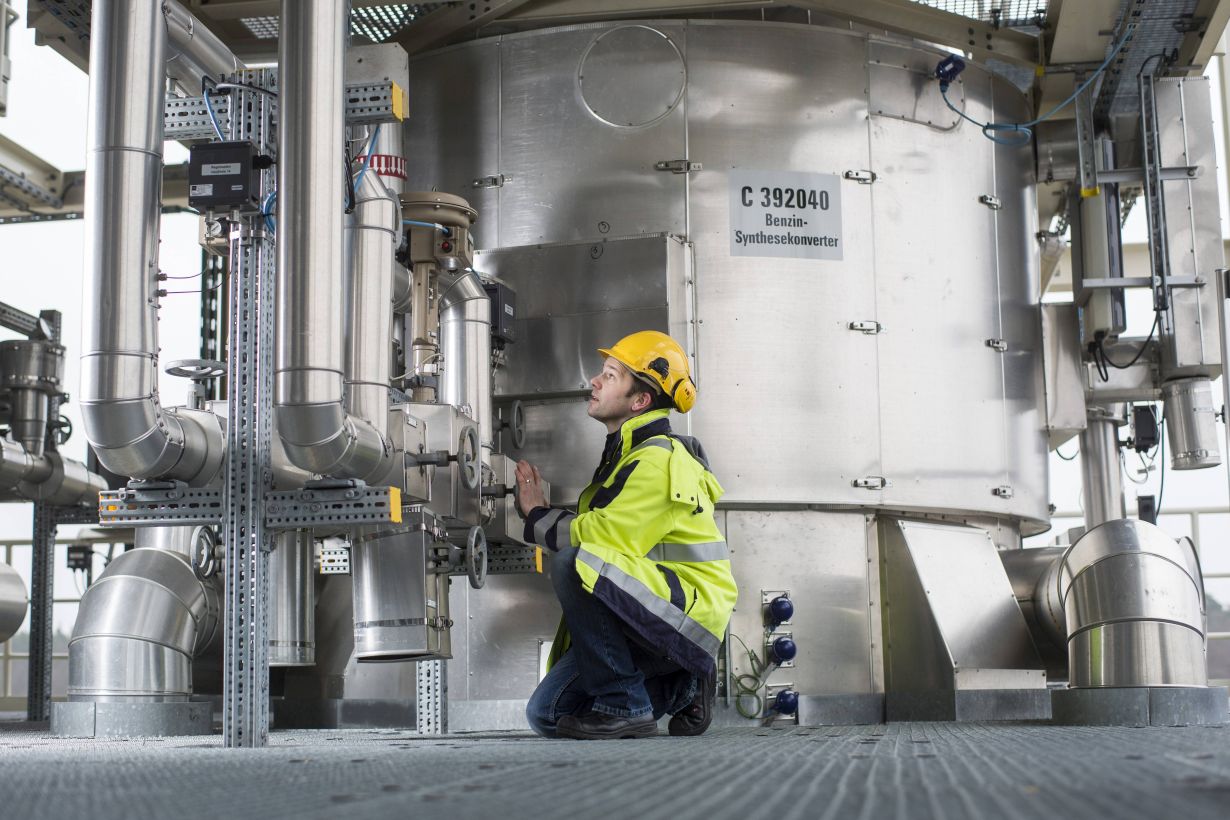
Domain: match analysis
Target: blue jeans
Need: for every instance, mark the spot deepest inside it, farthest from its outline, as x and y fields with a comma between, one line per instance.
x=605, y=669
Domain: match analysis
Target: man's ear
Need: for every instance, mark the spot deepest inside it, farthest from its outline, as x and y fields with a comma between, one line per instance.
x=642, y=401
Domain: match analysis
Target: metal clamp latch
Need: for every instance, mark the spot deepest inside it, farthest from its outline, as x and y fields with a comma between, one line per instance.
x=862, y=177
x=997, y=344
x=677, y=166
x=871, y=482
x=870, y=328
x=1003, y=491
x=496, y=181
x=991, y=202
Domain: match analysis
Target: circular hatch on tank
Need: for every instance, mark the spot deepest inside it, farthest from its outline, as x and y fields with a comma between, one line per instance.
x=631, y=76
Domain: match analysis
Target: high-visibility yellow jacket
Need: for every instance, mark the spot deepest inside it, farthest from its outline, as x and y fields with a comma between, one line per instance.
x=648, y=546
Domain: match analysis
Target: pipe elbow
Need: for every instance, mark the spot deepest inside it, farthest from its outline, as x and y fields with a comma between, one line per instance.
x=138, y=628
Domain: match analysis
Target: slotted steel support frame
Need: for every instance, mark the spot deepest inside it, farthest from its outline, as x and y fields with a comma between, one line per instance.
x=431, y=703
x=42, y=570
x=245, y=693
x=38, y=685
x=1155, y=203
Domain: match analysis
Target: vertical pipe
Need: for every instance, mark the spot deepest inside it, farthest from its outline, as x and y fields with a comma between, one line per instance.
x=1101, y=475
x=292, y=616
x=465, y=345
x=374, y=235
x=308, y=370
x=124, y=422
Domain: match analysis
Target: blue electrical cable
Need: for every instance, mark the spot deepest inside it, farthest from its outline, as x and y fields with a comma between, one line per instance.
x=367, y=160
x=1022, y=129
x=441, y=228
x=212, y=116
x=267, y=210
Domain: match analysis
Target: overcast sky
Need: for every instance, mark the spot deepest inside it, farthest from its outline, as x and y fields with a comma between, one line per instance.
x=41, y=267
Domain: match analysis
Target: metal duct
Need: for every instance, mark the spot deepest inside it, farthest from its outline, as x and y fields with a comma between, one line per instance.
x=1191, y=424
x=195, y=51
x=124, y=422
x=375, y=232
x=139, y=627
x=49, y=477
x=13, y=602
x=465, y=346
x=312, y=422
x=1133, y=599
x=292, y=622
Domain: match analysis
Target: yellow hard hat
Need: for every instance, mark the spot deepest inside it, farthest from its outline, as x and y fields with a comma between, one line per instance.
x=660, y=360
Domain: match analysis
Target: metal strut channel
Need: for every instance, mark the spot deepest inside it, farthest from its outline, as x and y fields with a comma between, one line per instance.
x=1159, y=255
x=188, y=118
x=245, y=689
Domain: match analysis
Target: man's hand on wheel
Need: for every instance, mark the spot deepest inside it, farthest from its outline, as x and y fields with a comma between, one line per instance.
x=529, y=488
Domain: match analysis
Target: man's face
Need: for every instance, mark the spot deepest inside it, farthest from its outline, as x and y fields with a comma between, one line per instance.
x=609, y=401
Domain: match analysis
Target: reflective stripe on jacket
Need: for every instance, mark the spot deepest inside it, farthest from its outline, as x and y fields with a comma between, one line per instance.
x=648, y=545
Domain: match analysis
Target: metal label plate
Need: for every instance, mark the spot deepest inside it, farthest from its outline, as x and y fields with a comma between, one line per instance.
x=789, y=214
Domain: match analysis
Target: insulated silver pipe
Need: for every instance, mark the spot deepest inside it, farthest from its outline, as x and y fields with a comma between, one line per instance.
x=375, y=232
x=1101, y=474
x=124, y=422
x=465, y=346
x=312, y=421
x=195, y=51
x=1133, y=601
x=292, y=622
x=49, y=477
x=138, y=628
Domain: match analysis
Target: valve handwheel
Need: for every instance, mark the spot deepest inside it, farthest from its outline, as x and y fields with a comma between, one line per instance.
x=467, y=458
x=517, y=424
x=476, y=557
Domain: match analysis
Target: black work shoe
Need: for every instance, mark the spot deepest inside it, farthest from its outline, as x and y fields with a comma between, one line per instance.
x=695, y=718
x=599, y=726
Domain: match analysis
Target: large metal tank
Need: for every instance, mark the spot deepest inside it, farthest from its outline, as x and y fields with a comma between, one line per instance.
x=883, y=355
x=795, y=405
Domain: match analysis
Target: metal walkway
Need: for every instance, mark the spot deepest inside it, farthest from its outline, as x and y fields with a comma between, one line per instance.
x=907, y=770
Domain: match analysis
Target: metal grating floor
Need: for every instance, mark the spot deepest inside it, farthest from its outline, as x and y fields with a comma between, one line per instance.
x=905, y=770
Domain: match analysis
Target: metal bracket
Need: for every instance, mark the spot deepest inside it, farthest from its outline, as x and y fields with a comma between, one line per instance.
x=868, y=327
x=862, y=177
x=158, y=503
x=291, y=509
x=991, y=202
x=871, y=482
x=1137, y=175
x=511, y=560
x=335, y=561
x=1121, y=282
x=1003, y=491
x=997, y=344
x=496, y=181
x=677, y=166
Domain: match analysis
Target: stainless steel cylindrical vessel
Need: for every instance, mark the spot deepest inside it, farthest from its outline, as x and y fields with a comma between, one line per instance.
x=13, y=602
x=292, y=622
x=1133, y=600
x=1191, y=424
x=908, y=330
x=1101, y=472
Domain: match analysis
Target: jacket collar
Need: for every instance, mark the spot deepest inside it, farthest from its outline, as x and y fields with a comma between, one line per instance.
x=632, y=433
